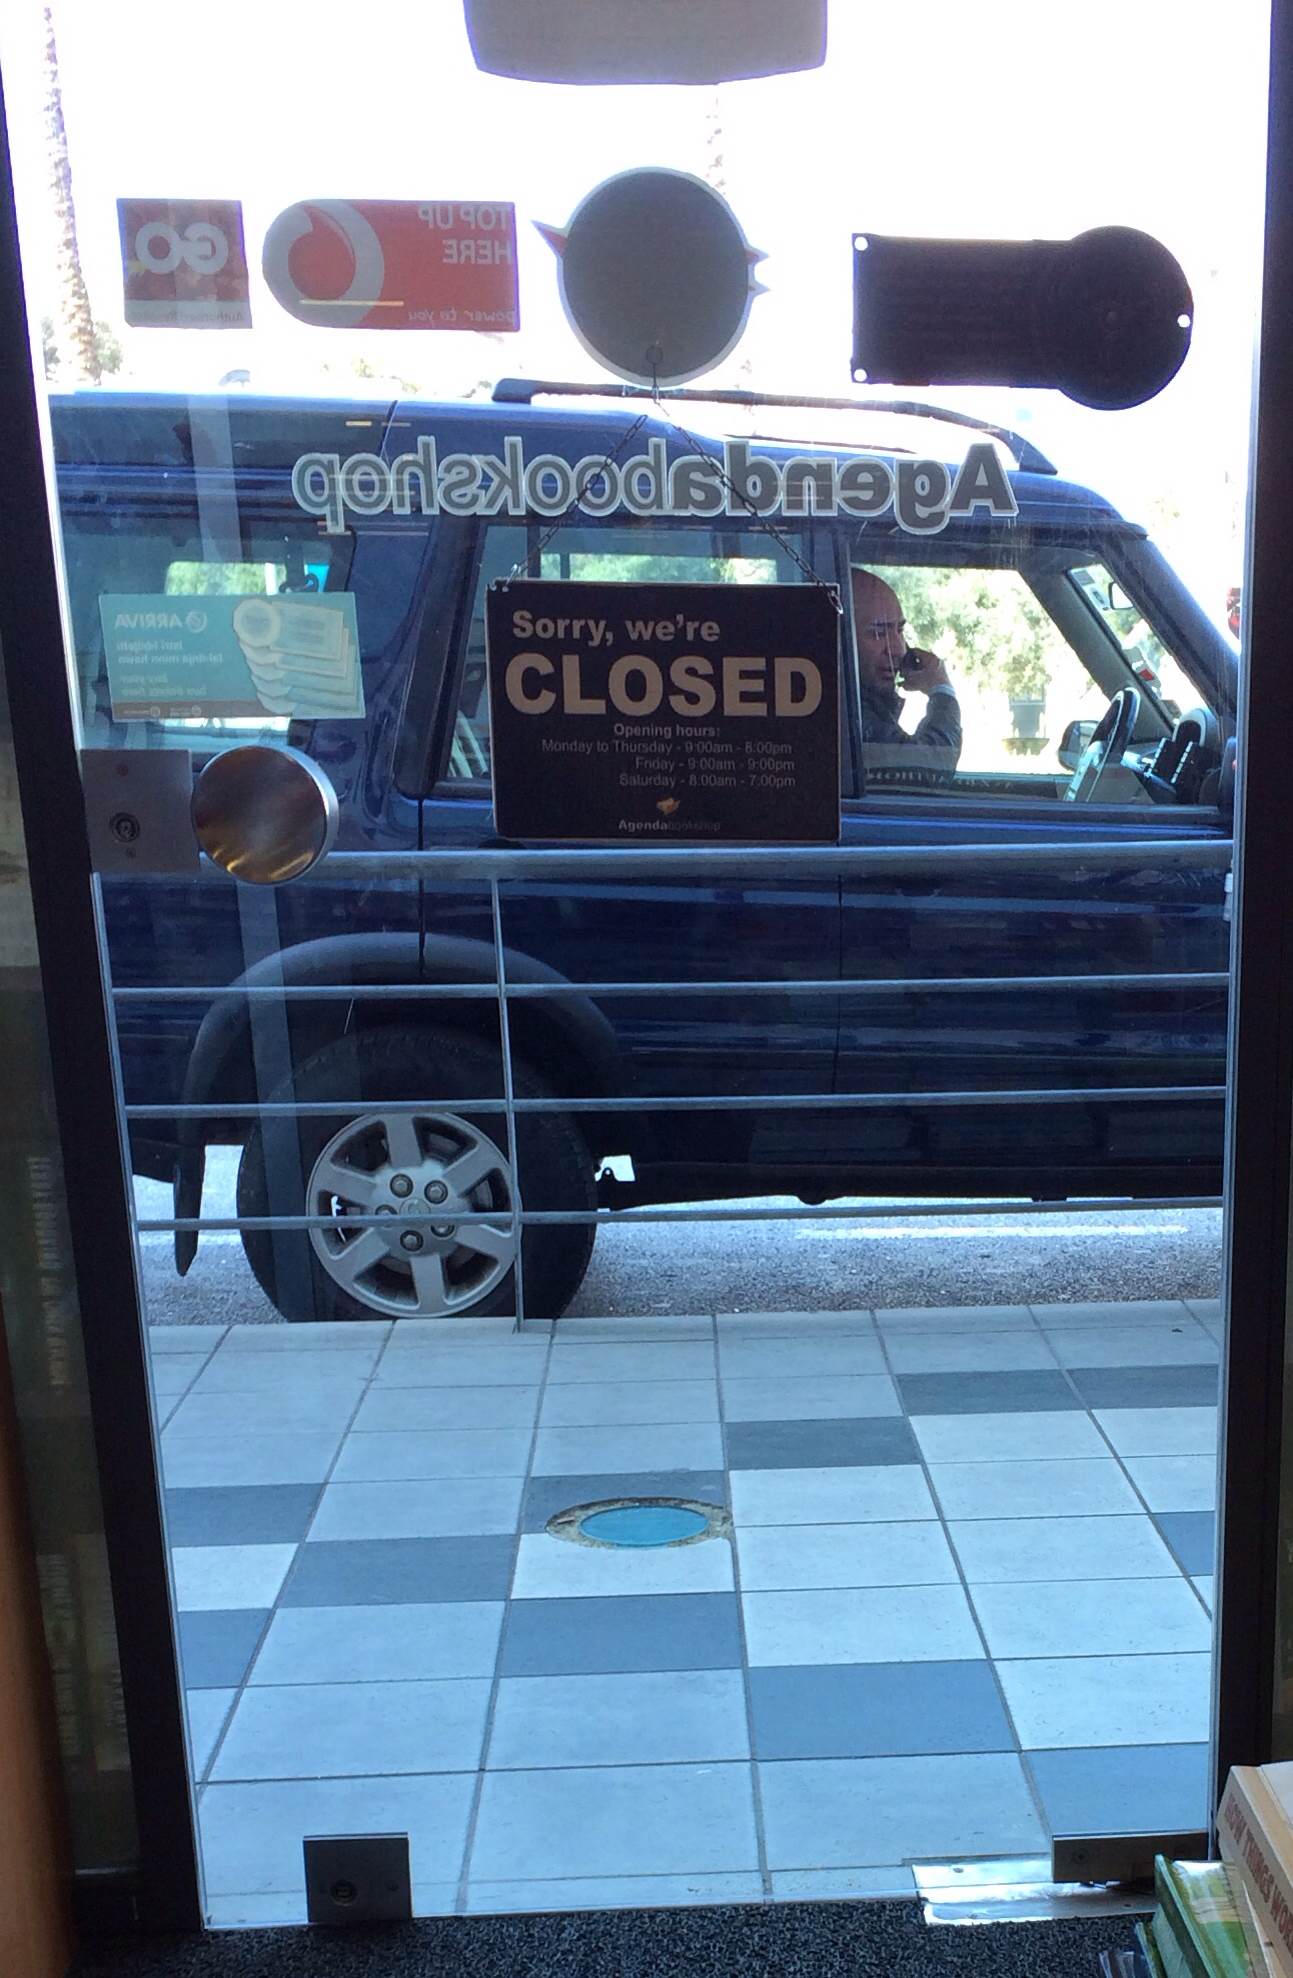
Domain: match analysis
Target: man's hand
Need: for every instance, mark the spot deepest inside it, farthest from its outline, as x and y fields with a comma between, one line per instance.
x=920, y=672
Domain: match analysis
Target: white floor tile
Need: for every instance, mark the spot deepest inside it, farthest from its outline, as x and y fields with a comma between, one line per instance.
x=1065, y=1487
x=818, y=1398
x=830, y=1497
x=793, y=1325
x=511, y=1362
x=1175, y=1483
x=1113, y=1312
x=1108, y=1700
x=1160, y=1431
x=419, y=1642
x=206, y=1711
x=941, y=1319
x=1091, y=1617
x=595, y=1360
x=443, y=1507
x=1204, y=1582
x=655, y=1446
x=778, y=1557
x=860, y=1624
x=611, y=1892
x=552, y=1568
x=193, y=1461
x=848, y=1813
x=323, y=1404
x=1134, y=1346
x=644, y=1718
x=251, y=1834
x=377, y=1456
x=266, y=1373
x=184, y=1339
x=353, y=1729
x=425, y=1408
x=1021, y=1550
x=320, y=1336
x=1007, y=1438
x=602, y=1404
x=797, y=1359
x=222, y=1576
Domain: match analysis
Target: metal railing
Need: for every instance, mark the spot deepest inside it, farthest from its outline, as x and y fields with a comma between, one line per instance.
x=495, y=868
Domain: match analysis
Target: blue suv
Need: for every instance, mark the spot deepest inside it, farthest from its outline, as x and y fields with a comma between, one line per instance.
x=1098, y=707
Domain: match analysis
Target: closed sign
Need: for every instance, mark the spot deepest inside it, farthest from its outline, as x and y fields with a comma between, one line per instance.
x=632, y=712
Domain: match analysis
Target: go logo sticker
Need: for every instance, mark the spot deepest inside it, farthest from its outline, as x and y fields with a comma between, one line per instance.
x=184, y=263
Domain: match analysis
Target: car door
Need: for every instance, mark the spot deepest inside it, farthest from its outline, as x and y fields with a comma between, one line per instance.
x=660, y=937
x=1033, y=645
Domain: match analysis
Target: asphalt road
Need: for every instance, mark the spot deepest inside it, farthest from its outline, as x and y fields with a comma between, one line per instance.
x=803, y=1263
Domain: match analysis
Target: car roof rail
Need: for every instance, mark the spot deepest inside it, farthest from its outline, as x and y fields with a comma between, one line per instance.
x=1028, y=458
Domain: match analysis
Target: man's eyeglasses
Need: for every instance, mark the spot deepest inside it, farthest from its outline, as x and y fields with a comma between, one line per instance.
x=879, y=628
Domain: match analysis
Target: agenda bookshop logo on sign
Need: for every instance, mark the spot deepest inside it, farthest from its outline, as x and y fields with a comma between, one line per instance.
x=923, y=495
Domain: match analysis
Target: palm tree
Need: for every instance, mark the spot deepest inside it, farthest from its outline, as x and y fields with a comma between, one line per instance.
x=73, y=300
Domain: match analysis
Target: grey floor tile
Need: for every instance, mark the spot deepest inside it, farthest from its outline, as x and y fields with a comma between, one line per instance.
x=240, y=1514
x=350, y=1730
x=224, y=1576
x=1192, y=1536
x=415, y=1643
x=544, y=1497
x=1134, y=1386
x=1175, y=1483
x=880, y=1709
x=1122, y=1789
x=644, y=1328
x=251, y=1834
x=850, y=1356
x=647, y=1717
x=815, y=1397
x=960, y=1352
x=1059, y=1488
x=173, y=1374
x=420, y=1409
x=1084, y=1700
x=1023, y=1549
x=216, y=1648
x=442, y=1507
x=623, y=1632
x=1007, y=1438
x=850, y=1812
x=655, y=1446
x=1091, y=1617
x=387, y=1456
x=788, y=1445
x=986, y=1394
x=831, y=1496
x=782, y=1557
x=611, y=1891
x=550, y=1568
x=615, y=1820
x=859, y=1624
x=204, y=1462
x=593, y=1404
x=417, y=1335
x=206, y=1711
x=377, y=1572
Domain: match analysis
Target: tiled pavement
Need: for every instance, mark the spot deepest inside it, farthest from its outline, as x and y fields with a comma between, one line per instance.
x=966, y=1605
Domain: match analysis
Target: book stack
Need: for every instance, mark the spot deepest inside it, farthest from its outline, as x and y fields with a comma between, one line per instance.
x=1255, y=1830
x=1197, y=1930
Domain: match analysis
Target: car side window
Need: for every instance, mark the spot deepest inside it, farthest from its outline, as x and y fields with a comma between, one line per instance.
x=1018, y=685
x=621, y=554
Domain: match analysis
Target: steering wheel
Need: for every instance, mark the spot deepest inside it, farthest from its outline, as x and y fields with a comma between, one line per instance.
x=1107, y=746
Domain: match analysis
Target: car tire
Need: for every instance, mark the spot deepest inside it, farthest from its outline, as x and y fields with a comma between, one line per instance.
x=413, y=1169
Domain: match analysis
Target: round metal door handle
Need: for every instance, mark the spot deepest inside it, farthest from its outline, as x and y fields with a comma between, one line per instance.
x=265, y=815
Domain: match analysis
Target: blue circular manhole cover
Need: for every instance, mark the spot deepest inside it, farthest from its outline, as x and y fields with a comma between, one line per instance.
x=641, y=1521
x=643, y=1524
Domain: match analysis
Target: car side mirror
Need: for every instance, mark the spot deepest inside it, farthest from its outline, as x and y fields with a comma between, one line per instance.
x=1073, y=741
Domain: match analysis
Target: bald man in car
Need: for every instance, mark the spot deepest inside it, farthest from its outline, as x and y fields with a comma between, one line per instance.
x=929, y=752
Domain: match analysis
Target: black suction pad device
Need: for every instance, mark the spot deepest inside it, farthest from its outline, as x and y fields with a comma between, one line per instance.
x=1105, y=318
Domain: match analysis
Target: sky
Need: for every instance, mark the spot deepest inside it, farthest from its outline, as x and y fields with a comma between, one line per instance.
x=1015, y=120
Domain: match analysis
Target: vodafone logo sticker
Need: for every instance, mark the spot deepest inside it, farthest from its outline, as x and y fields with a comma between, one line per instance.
x=395, y=264
x=184, y=263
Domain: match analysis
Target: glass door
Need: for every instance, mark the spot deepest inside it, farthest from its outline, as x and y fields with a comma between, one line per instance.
x=684, y=1358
